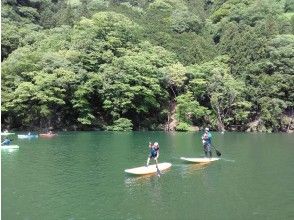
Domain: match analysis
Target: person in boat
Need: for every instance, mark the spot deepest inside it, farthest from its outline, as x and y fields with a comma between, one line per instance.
x=6, y=142
x=154, y=153
x=50, y=132
x=206, y=141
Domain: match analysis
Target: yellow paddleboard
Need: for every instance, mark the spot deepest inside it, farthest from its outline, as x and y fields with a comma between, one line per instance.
x=147, y=170
x=200, y=159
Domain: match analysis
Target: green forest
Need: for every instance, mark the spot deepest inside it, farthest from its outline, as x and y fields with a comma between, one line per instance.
x=147, y=65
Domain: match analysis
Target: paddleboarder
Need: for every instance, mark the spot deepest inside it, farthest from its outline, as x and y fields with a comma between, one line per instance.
x=154, y=152
x=6, y=142
x=206, y=141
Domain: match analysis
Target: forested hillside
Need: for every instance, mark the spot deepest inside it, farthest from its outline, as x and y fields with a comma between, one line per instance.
x=148, y=64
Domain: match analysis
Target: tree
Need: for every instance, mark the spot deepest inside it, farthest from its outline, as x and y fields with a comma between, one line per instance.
x=121, y=124
x=244, y=47
x=175, y=76
x=289, y=6
x=185, y=21
x=280, y=53
x=189, y=109
x=38, y=101
x=103, y=37
x=87, y=98
x=96, y=63
x=271, y=112
x=13, y=34
x=225, y=94
x=132, y=85
x=227, y=100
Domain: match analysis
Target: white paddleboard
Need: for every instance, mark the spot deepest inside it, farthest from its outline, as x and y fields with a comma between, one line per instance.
x=200, y=159
x=147, y=170
x=9, y=147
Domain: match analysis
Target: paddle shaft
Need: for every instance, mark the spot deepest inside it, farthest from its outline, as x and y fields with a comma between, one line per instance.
x=218, y=153
x=158, y=171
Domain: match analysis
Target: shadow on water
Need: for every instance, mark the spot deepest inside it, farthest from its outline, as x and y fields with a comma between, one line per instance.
x=190, y=168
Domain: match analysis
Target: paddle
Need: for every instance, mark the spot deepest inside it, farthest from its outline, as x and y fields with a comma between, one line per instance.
x=218, y=153
x=158, y=171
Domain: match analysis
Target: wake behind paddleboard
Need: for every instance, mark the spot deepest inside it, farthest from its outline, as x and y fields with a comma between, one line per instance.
x=200, y=159
x=9, y=147
x=6, y=133
x=147, y=170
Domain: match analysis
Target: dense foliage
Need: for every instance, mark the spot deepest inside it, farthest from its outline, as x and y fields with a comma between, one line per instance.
x=137, y=64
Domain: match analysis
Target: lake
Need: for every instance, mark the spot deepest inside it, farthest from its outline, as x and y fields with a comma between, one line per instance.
x=80, y=175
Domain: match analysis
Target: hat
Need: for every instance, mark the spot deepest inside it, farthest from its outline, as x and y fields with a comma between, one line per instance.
x=156, y=144
x=206, y=129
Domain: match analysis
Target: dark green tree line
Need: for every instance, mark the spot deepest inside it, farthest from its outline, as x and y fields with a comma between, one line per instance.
x=118, y=65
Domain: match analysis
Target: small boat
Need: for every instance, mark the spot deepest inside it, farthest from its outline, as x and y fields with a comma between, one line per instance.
x=4, y=147
x=27, y=136
x=48, y=135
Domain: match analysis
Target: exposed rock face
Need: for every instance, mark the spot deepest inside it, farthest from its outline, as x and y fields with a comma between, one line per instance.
x=195, y=128
x=256, y=126
x=172, y=121
x=288, y=123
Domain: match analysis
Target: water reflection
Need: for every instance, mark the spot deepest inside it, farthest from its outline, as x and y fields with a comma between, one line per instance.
x=132, y=180
x=191, y=168
x=211, y=177
x=207, y=174
x=150, y=183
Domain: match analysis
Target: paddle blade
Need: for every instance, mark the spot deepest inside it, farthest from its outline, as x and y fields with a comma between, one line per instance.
x=218, y=153
x=158, y=171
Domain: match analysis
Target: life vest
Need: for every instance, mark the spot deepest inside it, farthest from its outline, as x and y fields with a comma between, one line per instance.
x=153, y=151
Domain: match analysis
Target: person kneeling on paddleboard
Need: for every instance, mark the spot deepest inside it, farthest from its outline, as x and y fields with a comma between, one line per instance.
x=154, y=153
x=206, y=141
x=6, y=142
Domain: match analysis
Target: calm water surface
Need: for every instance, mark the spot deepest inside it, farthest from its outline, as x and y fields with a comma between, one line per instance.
x=80, y=175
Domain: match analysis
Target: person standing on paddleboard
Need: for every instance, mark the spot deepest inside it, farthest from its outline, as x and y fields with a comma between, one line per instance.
x=154, y=153
x=206, y=141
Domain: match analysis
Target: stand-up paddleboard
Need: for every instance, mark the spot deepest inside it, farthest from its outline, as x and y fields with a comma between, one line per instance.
x=147, y=170
x=9, y=147
x=200, y=159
